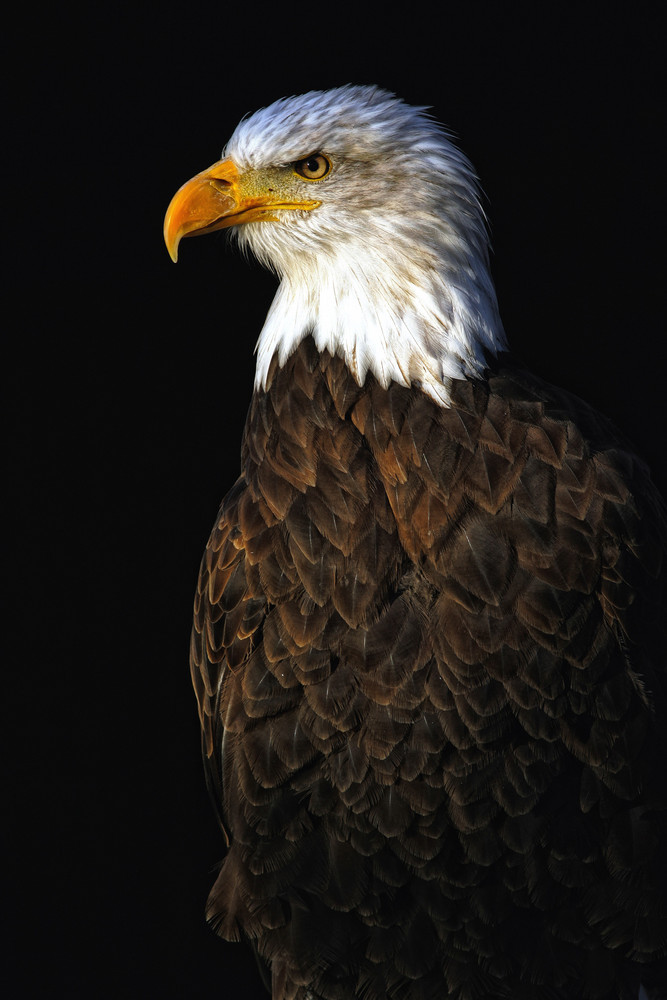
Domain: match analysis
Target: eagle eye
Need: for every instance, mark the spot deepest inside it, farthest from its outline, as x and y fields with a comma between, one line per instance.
x=313, y=168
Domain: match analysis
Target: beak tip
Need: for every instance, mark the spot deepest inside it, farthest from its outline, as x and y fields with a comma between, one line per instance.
x=171, y=237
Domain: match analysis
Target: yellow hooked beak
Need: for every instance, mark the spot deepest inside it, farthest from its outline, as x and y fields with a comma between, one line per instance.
x=220, y=197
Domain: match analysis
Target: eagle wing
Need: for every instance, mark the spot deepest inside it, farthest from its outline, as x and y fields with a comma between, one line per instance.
x=226, y=617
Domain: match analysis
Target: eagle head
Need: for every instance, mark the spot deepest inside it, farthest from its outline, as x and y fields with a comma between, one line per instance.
x=371, y=218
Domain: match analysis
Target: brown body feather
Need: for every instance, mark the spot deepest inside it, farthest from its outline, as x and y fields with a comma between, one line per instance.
x=430, y=673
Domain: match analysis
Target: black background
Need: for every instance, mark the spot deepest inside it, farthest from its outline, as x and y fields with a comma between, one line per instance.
x=127, y=381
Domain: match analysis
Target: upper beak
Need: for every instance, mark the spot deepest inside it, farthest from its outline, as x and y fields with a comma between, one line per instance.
x=217, y=198
x=206, y=202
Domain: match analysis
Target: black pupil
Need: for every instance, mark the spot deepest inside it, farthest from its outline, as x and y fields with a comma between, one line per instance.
x=313, y=164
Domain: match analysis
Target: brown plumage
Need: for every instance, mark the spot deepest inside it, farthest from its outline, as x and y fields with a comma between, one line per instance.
x=424, y=654
x=429, y=657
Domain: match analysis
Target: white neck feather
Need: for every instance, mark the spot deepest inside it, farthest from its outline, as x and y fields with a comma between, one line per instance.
x=405, y=315
x=390, y=270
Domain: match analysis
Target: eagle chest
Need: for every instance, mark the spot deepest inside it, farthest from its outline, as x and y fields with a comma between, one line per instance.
x=368, y=613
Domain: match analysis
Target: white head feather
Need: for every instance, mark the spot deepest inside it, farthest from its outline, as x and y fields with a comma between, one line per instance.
x=391, y=271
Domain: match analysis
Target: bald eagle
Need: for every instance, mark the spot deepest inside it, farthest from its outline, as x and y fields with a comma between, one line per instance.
x=428, y=643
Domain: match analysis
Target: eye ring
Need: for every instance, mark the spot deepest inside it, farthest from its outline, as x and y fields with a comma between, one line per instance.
x=313, y=168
